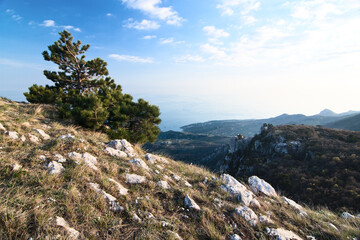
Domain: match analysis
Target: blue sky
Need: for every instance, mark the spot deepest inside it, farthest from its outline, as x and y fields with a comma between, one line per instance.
x=198, y=60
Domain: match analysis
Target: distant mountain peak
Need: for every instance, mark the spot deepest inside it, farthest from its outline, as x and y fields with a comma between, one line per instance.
x=327, y=112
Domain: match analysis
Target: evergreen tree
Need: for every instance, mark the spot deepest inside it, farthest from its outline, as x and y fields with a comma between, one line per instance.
x=83, y=91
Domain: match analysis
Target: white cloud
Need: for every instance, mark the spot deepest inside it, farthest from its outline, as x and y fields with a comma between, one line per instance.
x=228, y=7
x=133, y=59
x=189, y=58
x=166, y=40
x=215, y=32
x=13, y=15
x=248, y=20
x=215, y=52
x=148, y=37
x=109, y=14
x=48, y=23
x=143, y=25
x=152, y=8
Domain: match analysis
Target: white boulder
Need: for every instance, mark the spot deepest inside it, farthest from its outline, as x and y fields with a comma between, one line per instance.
x=16, y=166
x=163, y=184
x=237, y=189
x=42, y=134
x=122, y=145
x=87, y=158
x=122, y=190
x=111, y=200
x=33, y=138
x=23, y=138
x=235, y=237
x=187, y=184
x=248, y=214
x=73, y=234
x=134, y=179
x=140, y=163
x=150, y=158
x=12, y=135
x=255, y=203
x=190, y=203
x=116, y=153
x=292, y=203
x=66, y=137
x=60, y=158
x=259, y=185
x=346, y=215
x=282, y=234
x=55, y=167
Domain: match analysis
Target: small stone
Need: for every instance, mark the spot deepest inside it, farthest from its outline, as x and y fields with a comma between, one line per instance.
x=346, y=215
x=134, y=179
x=122, y=190
x=205, y=180
x=23, y=138
x=164, y=224
x=149, y=215
x=235, y=237
x=2, y=128
x=136, y=218
x=255, y=203
x=282, y=234
x=67, y=137
x=333, y=226
x=42, y=157
x=140, y=163
x=292, y=203
x=87, y=158
x=175, y=235
x=157, y=171
x=26, y=124
x=122, y=145
x=111, y=200
x=33, y=139
x=16, y=166
x=150, y=158
x=71, y=231
x=248, y=214
x=163, y=184
x=310, y=238
x=176, y=177
x=187, y=184
x=190, y=203
x=55, y=167
x=42, y=134
x=12, y=135
x=60, y=158
x=115, y=152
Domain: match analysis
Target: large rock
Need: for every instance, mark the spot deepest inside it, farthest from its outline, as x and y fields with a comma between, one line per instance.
x=122, y=190
x=116, y=153
x=59, y=158
x=73, y=234
x=111, y=200
x=259, y=185
x=42, y=134
x=55, y=167
x=163, y=184
x=248, y=214
x=87, y=158
x=150, y=158
x=235, y=237
x=237, y=189
x=140, y=163
x=190, y=203
x=122, y=145
x=282, y=234
x=134, y=179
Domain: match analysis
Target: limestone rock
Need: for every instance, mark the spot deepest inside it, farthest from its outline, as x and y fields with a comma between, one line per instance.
x=235, y=237
x=175, y=235
x=176, y=177
x=255, y=203
x=248, y=214
x=42, y=157
x=187, y=184
x=12, y=135
x=122, y=190
x=122, y=145
x=136, y=218
x=237, y=189
x=333, y=226
x=2, y=128
x=33, y=139
x=140, y=163
x=55, y=167
x=259, y=185
x=266, y=218
x=71, y=231
x=116, y=153
x=346, y=215
x=66, y=137
x=282, y=234
x=163, y=184
x=23, y=138
x=87, y=158
x=42, y=134
x=60, y=158
x=111, y=200
x=190, y=203
x=150, y=158
x=296, y=206
x=16, y=166
x=26, y=124
x=135, y=179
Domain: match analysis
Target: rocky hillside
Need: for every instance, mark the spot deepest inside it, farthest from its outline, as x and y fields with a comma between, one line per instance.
x=350, y=123
x=59, y=181
x=316, y=165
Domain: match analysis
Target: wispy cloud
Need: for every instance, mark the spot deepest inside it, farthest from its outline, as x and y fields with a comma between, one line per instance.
x=133, y=59
x=152, y=8
x=51, y=23
x=166, y=40
x=215, y=32
x=228, y=7
x=13, y=14
x=148, y=37
x=109, y=14
x=189, y=58
x=143, y=25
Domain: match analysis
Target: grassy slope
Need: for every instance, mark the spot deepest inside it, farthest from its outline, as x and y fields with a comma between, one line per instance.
x=350, y=123
x=30, y=198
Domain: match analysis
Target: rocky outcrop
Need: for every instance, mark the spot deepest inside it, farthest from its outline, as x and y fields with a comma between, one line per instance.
x=134, y=178
x=12, y=135
x=115, y=152
x=122, y=145
x=55, y=167
x=292, y=203
x=163, y=184
x=258, y=185
x=234, y=187
x=121, y=188
x=42, y=134
x=140, y=163
x=87, y=158
x=73, y=234
x=248, y=214
x=112, y=201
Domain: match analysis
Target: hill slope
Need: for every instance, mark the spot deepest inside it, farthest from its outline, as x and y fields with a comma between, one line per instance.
x=59, y=181
x=313, y=164
x=350, y=123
